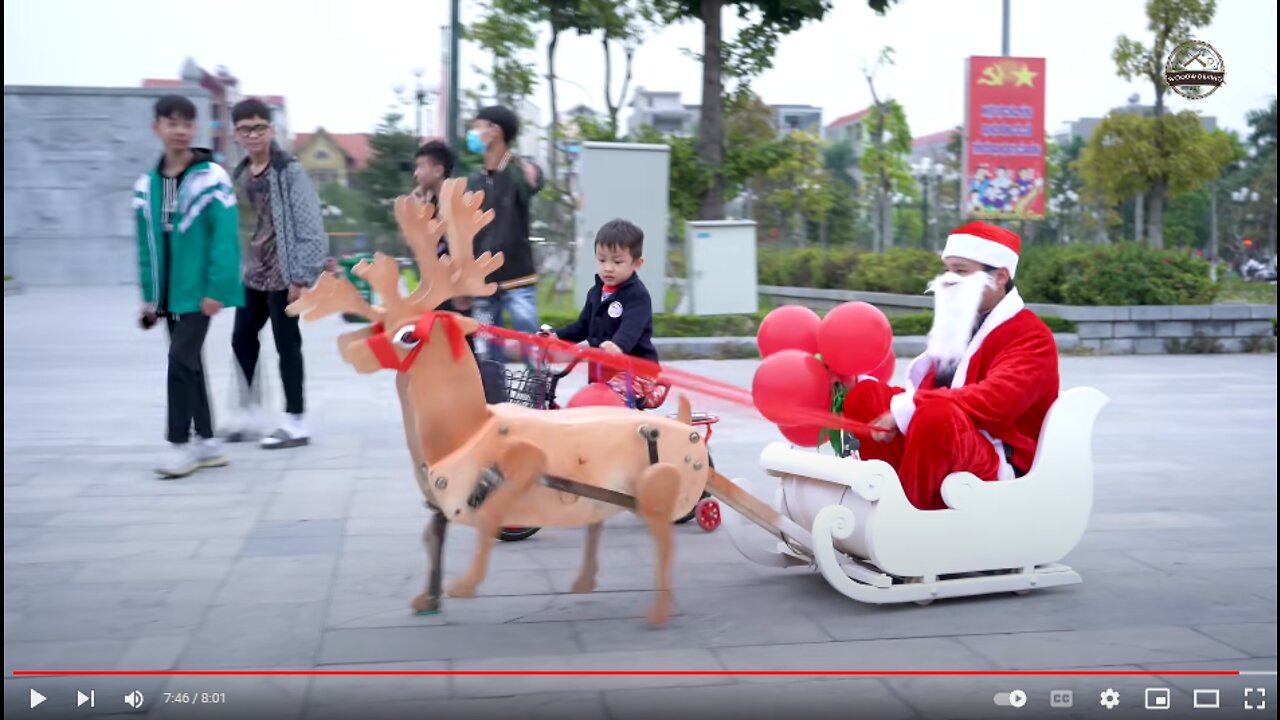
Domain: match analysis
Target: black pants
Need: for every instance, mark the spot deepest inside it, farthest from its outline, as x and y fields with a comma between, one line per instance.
x=188, y=394
x=260, y=306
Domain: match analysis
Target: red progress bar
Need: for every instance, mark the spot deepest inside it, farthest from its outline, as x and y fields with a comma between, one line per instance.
x=953, y=673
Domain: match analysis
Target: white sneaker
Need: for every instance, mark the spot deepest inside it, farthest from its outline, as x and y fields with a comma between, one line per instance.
x=209, y=454
x=291, y=433
x=246, y=427
x=180, y=461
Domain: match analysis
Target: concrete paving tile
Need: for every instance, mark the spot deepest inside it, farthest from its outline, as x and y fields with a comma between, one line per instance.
x=268, y=635
x=1255, y=639
x=358, y=693
x=446, y=642
x=748, y=701
x=277, y=579
x=637, y=660
x=906, y=654
x=1088, y=648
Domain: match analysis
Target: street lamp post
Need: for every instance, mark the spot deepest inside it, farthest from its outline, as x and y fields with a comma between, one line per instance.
x=924, y=170
x=421, y=96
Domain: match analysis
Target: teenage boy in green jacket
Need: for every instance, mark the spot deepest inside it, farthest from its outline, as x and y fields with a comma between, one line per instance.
x=189, y=268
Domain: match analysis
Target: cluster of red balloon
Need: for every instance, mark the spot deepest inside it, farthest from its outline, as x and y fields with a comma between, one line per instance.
x=806, y=356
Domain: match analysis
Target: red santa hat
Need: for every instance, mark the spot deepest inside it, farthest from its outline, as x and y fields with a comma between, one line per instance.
x=985, y=243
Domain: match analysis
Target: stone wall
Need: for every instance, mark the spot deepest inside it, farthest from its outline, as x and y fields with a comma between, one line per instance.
x=1136, y=329
x=71, y=156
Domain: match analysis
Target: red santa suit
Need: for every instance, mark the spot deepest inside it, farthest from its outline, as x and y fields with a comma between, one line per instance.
x=987, y=421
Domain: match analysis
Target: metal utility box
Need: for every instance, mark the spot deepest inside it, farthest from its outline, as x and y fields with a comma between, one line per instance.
x=627, y=181
x=722, y=267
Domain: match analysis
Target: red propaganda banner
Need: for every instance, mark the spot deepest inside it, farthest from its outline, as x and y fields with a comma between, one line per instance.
x=1004, y=138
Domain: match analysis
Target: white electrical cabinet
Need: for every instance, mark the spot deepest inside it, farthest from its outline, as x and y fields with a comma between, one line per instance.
x=722, y=267
x=627, y=181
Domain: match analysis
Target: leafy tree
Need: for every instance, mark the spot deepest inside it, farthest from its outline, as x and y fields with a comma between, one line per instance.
x=1170, y=22
x=751, y=148
x=884, y=162
x=504, y=33
x=796, y=186
x=751, y=53
x=838, y=160
x=389, y=173
x=1186, y=222
x=1128, y=152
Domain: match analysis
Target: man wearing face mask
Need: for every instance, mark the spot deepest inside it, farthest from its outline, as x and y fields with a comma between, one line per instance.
x=977, y=397
x=509, y=185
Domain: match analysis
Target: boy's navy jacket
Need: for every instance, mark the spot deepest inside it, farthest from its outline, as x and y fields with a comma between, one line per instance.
x=626, y=318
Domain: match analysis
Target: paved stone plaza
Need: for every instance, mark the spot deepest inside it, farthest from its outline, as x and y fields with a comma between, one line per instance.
x=307, y=559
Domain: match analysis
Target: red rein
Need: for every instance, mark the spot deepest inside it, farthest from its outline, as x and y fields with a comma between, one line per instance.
x=385, y=351
x=678, y=378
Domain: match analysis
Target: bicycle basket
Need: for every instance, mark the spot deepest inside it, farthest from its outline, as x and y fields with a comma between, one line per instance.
x=529, y=388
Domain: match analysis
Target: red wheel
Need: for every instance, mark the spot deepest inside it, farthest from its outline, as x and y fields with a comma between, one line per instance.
x=516, y=534
x=708, y=514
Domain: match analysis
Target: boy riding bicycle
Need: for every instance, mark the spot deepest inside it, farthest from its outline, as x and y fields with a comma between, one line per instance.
x=618, y=313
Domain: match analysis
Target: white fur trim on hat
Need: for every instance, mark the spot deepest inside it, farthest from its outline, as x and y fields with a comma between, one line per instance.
x=980, y=249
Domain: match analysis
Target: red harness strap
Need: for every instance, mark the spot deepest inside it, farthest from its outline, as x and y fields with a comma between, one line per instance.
x=383, y=349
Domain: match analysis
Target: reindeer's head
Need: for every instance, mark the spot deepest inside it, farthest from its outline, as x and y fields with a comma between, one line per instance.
x=402, y=326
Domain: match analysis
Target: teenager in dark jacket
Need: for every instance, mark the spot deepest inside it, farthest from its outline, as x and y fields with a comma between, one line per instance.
x=509, y=185
x=286, y=254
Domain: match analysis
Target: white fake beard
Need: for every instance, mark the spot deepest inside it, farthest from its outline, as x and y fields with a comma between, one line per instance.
x=955, y=310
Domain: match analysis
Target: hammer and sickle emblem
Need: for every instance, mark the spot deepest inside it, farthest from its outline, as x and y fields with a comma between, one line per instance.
x=993, y=75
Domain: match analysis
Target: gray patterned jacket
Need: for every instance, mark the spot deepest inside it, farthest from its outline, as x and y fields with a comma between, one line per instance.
x=295, y=214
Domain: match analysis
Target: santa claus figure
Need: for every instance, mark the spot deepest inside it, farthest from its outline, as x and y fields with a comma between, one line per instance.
x=978, y=395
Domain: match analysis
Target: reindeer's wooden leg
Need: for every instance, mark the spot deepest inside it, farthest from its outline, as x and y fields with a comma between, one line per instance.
x=656, y=492
x=433, y=537
x=521, y=464
x=586, y=581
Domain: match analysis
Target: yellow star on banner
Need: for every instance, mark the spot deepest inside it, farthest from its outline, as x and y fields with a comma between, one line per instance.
x=1024, y=76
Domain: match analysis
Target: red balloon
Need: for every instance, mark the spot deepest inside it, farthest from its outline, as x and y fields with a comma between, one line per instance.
x=596, y=394
x=790, y=327
x=884, y=373
x=787, y=380
x=854, y=338
x=802, y=435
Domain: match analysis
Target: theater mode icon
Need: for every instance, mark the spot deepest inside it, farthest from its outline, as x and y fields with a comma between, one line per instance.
x=1206, y=699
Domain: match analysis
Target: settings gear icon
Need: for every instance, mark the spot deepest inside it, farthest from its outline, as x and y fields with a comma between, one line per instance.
x=1110, y=699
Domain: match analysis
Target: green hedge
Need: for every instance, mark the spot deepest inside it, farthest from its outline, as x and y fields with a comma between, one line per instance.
x=746, y=325
x=1121, y=274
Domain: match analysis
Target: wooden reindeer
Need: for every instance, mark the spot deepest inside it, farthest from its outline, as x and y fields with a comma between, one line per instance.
x=493, y=465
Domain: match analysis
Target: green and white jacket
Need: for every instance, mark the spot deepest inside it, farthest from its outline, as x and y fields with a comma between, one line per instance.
x=203, y=253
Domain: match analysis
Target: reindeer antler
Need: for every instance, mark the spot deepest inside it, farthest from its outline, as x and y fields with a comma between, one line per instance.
x=460, y=274
x=423, y=232
x=331, y=295
x=383, y=275
x=465, y=219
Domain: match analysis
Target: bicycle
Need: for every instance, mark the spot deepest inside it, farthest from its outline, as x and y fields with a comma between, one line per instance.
x=536, y=388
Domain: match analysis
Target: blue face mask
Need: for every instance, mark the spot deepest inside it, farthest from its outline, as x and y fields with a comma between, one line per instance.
x=474, y=142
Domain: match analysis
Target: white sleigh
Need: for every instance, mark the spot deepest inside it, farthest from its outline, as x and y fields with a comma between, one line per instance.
x=872, y=545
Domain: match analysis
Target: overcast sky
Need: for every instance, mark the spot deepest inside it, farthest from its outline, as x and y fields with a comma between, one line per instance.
x=337, y=60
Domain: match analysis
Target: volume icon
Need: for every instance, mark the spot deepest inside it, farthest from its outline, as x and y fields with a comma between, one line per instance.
x=133, y=699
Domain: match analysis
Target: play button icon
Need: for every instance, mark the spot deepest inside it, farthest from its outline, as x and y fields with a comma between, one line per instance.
x=36, y=697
